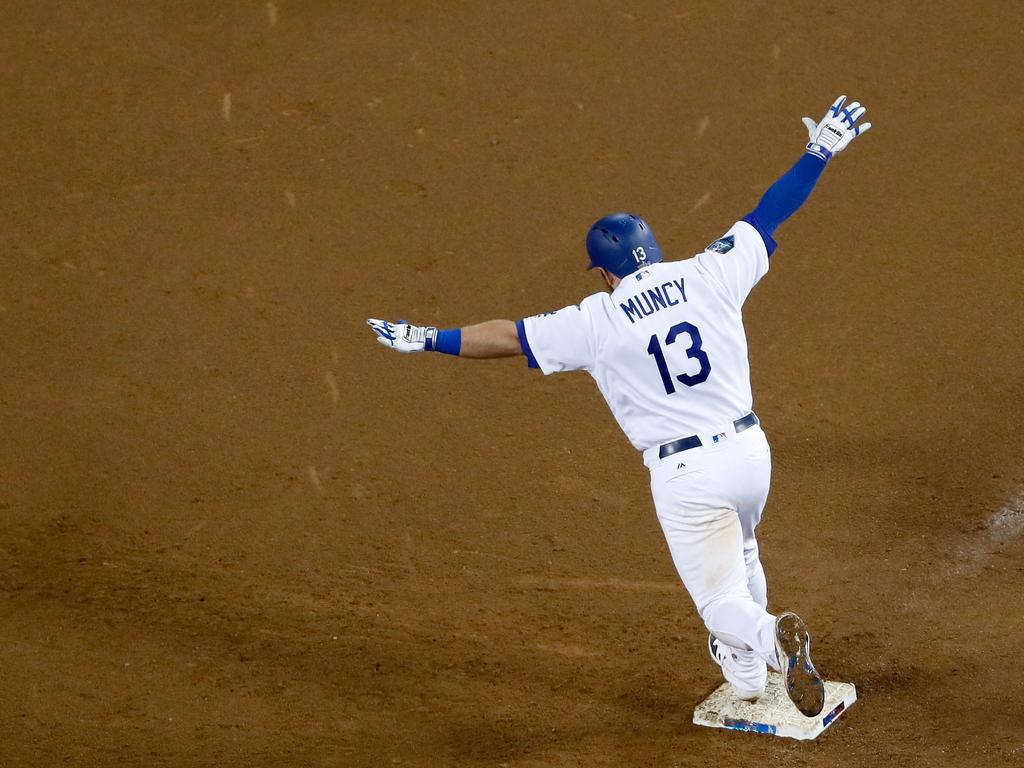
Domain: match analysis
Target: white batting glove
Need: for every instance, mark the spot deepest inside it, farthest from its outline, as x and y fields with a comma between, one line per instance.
x=836, y=130
x=403, y=337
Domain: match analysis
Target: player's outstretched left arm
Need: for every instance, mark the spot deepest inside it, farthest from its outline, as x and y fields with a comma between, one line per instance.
x=494, y=338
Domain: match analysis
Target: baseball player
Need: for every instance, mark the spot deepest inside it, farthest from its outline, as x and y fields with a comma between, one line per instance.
x=666, y=346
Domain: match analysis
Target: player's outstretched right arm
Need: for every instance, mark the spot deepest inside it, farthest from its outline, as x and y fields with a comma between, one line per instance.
x=836, y=130
x=825, y=139
x=749, y=253
x=494, y=338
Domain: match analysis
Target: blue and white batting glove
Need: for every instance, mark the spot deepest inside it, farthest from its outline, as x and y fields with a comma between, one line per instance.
x=403, y=337
x=836, y=130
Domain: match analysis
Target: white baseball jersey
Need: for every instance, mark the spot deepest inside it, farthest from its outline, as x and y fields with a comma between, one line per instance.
x=667, y=347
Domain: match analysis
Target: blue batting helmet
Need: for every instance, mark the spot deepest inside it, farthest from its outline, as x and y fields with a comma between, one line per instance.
x=622, y=243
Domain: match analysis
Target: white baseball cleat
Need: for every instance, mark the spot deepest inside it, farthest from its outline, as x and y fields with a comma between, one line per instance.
x=746, y=676
x=804, y=685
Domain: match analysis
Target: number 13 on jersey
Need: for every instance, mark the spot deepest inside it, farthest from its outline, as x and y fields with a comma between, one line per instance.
x=694, y=353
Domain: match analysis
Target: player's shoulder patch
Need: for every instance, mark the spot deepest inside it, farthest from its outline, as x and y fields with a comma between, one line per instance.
x=553, y=312
x=722, y=245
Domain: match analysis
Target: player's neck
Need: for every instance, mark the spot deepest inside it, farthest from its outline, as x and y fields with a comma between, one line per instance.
x=611, y=280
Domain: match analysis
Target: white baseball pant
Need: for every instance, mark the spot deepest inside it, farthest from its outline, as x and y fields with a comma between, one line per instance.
x=709, y=500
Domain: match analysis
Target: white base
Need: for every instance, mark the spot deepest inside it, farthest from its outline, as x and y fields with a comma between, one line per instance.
x=773, y=713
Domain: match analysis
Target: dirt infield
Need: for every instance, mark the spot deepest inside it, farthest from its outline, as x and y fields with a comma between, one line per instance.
x=235, y=532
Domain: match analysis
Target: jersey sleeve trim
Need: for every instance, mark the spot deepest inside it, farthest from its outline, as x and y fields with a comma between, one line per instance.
x=769, y=242
x=524, y=345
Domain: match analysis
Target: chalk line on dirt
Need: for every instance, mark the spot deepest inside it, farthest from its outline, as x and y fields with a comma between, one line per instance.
x=628, y=585
x=1002, y=527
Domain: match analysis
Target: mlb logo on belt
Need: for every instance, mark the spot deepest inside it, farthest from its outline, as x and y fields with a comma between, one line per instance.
x=720, y=437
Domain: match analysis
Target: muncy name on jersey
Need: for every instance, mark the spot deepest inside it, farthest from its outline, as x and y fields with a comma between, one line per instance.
x=652, y=300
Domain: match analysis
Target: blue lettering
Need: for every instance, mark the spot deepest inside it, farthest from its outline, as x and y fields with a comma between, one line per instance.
x=631, y=310
x=668, y=296
x=652, y=300
x=640, y=303
x=682, y=289
x=657, y=297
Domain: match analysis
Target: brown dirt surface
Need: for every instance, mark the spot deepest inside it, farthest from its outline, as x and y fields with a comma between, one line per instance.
x=234, y=531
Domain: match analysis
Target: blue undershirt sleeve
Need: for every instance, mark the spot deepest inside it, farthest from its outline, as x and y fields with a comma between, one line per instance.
x=785, y=197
